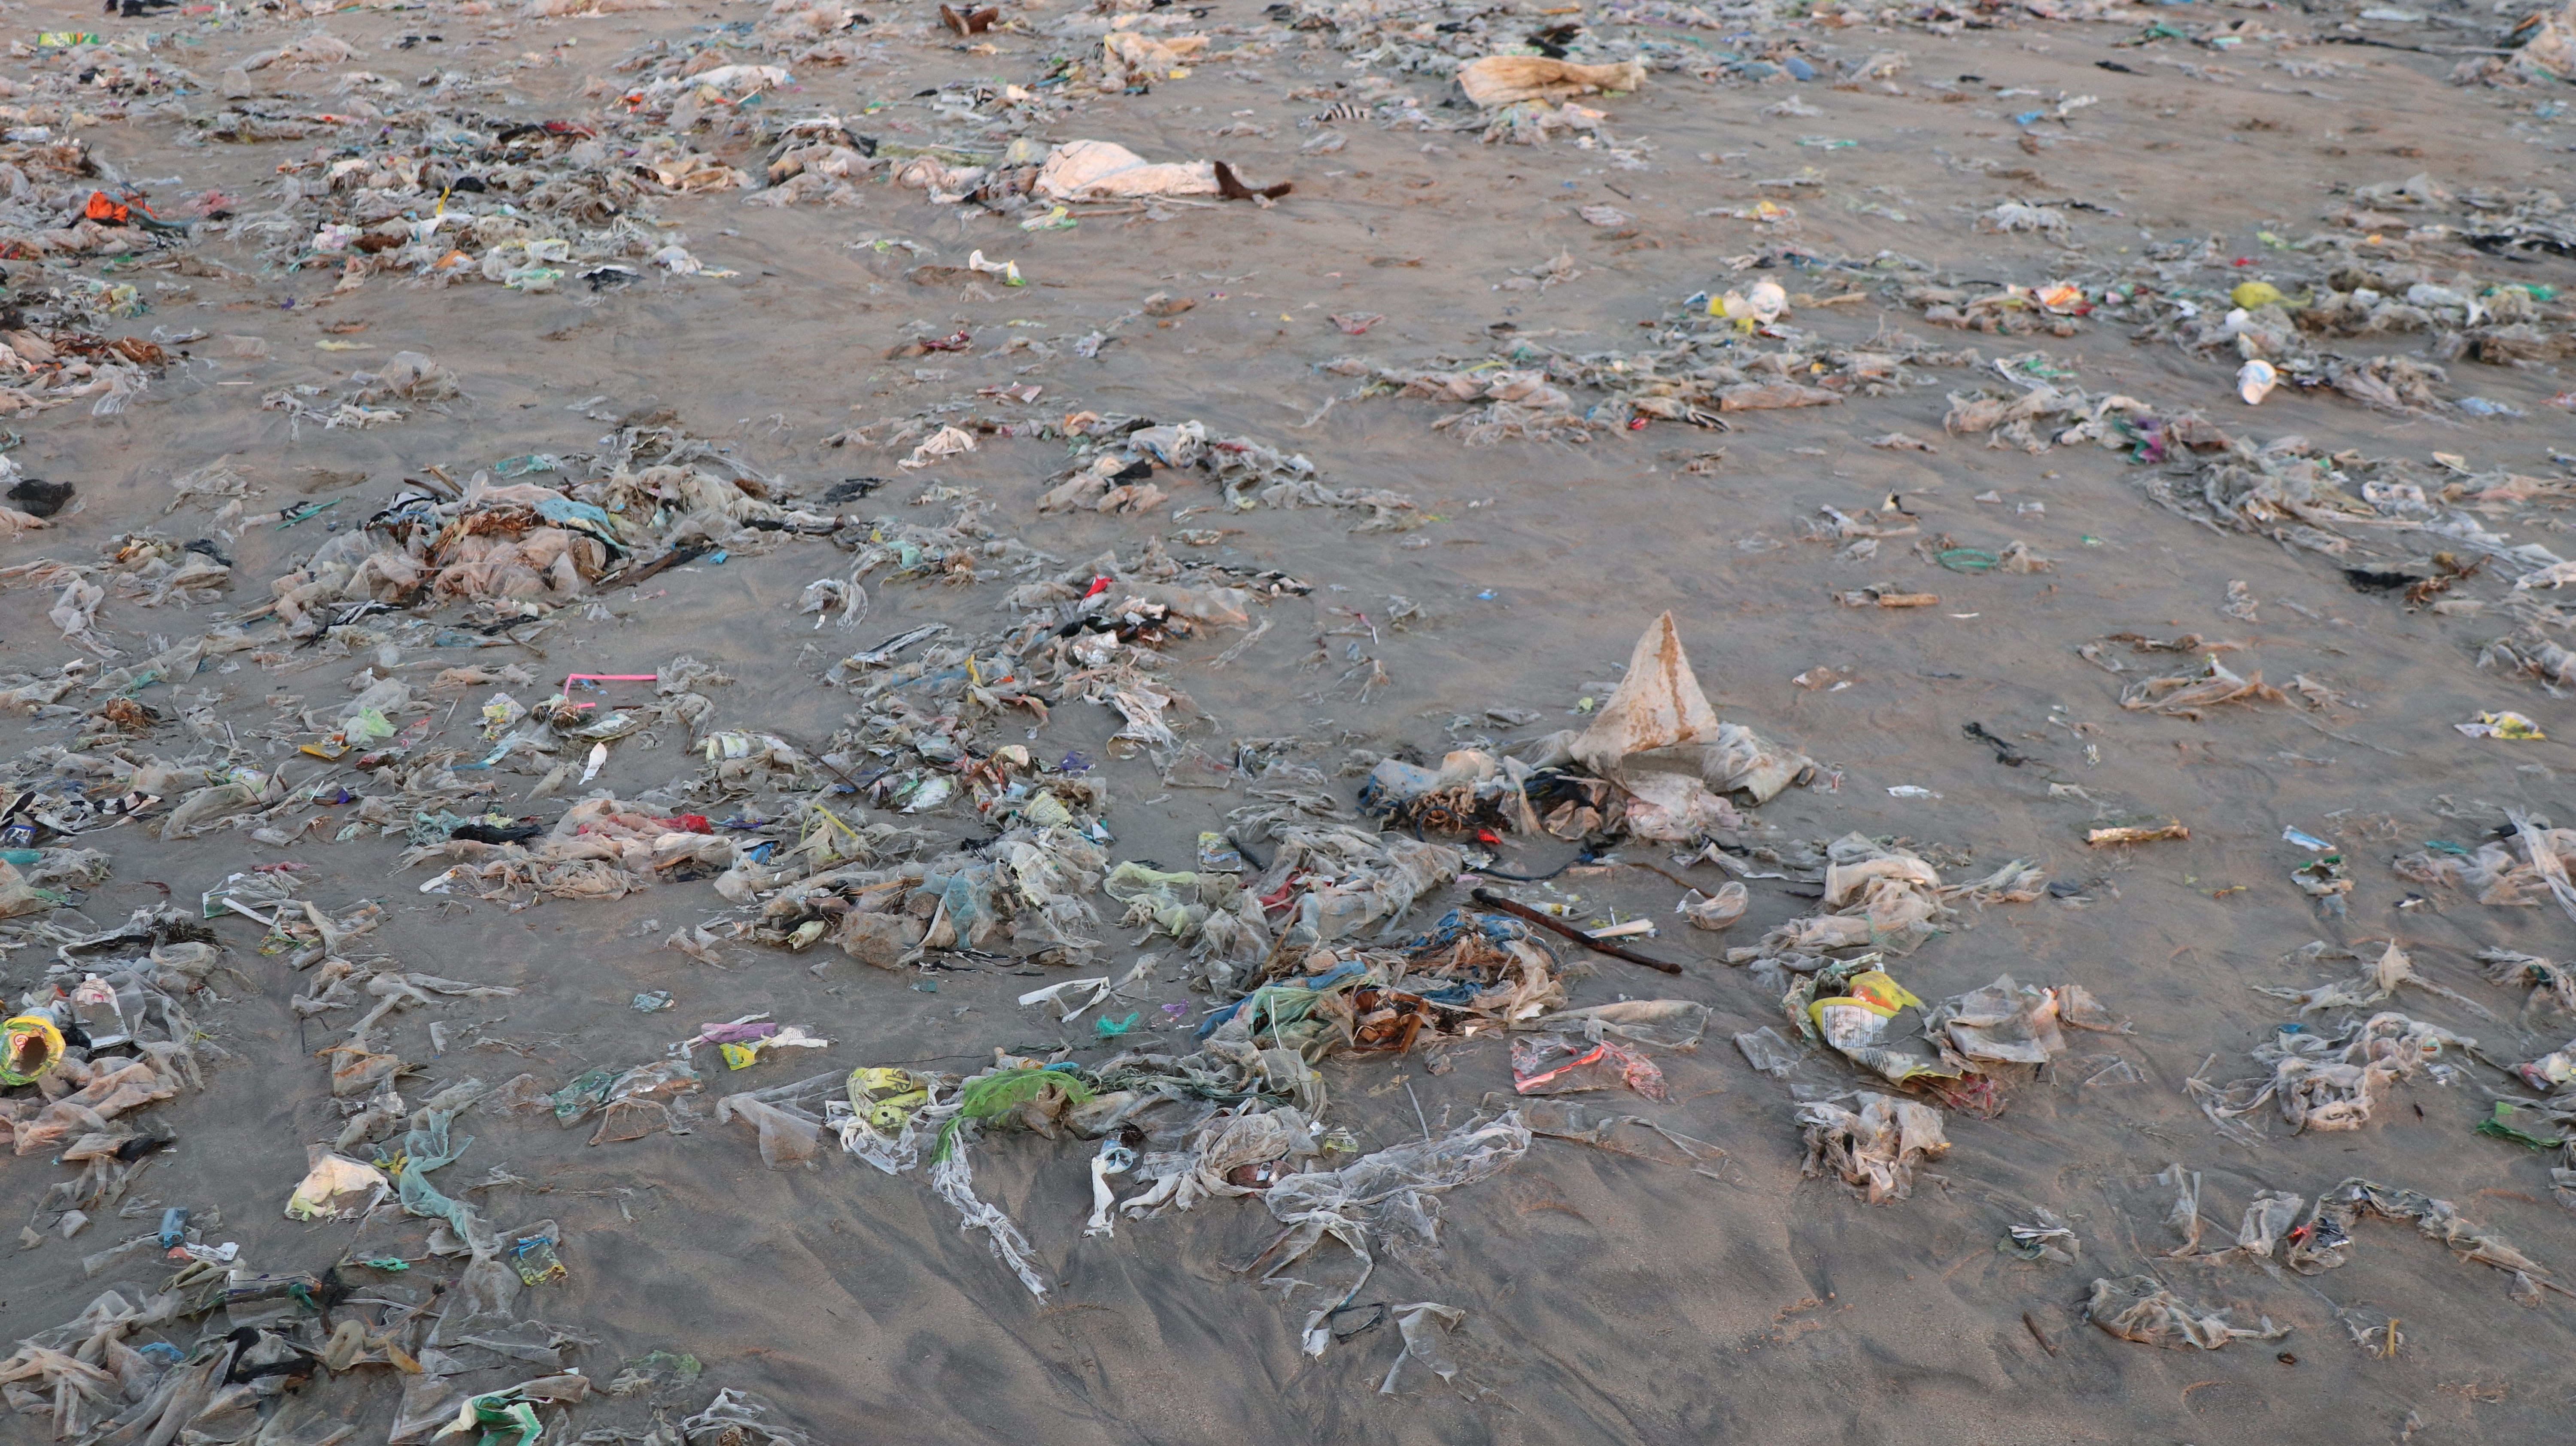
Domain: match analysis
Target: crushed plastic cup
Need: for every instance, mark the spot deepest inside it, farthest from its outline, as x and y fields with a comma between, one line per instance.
x=34, y=1045
x=536, y=1261
x=2255, y=381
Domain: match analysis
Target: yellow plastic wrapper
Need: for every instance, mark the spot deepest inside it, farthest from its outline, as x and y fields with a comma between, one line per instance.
x=2510, y=726
x=1859, y=1018
x=2063, y=298
x=886, y=1097
x=2252, y=294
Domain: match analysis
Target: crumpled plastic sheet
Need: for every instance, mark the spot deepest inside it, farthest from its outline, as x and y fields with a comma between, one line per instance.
x=1127, y=57
x=788, y=1137
x=2326, y=1085
x=1471, y=787
x=1876, y=897
x=1766, y=1051
x=2139, y=1308
x=2381, y=980
x=735, y=1418
x=1551, y=1065
x=1423, y=1325
x=2492, y=873
x=1251, y=473
x=2328, y=1241
x=1668, y=1024
x=1031, y=885
x=1225, y=1142
x=1874, y=1150
x=206, y=807
x=1353, y=879
x=1503, y=79
x=1262, y=1129
x=334, y=1184
x=2018, y=882
x=1716, y=911
x=75, y=612
x=86, y=1365
x=1176, y=903
x=1390, y=1197
x=642, y=1100
x=2004, y=1022
x=1850, y=1006
x=107, y=1088
x=2542, y=976
x=2189, y=695
x=1657, y=705
x=1459, y=978
x=600, y=849
x=2267, y=1217
x=892, y=1152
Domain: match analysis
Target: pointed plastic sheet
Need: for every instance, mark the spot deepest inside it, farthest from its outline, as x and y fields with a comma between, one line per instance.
x=1658, y=705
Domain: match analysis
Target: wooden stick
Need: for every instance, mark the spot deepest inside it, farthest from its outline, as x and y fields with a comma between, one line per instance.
x=1492, y=900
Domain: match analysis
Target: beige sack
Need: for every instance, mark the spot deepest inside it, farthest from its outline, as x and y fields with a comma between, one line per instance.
x=1503, y=79
x=1079, y=170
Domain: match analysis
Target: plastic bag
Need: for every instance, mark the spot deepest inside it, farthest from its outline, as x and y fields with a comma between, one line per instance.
x=1231, y=1154
x=1859, y=1017
x=1718, y=910
x=504, y=1418
x=207, y=807
x=1766, y=1051
x=734, y=1419
x=1874, y=1150
x=1172, y=902
x=2268, y=1216
x=581, y=1099
x=17, y=896
x=334, y=1184
x=887, y=1098
x=2003, y=1022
